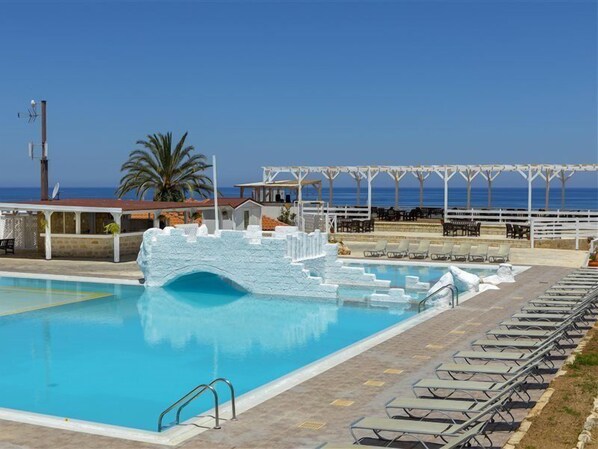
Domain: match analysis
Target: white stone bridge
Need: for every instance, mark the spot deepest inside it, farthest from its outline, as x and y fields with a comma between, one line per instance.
x=288, y=263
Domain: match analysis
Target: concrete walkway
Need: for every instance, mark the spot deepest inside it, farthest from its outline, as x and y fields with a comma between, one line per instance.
x=311, y=413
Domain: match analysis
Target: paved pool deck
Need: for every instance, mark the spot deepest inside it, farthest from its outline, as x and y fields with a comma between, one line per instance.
x=306, y=415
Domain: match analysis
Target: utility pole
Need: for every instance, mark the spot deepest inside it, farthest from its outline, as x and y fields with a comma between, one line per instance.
x=44, y=158
x=32, y=115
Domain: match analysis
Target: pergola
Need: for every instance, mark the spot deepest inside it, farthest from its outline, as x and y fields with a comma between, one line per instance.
x=116, y=208
x=489, y=172
x=263, y=191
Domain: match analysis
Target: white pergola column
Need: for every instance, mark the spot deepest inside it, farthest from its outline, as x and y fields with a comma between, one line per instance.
x=529, y=175
x=357, y=176
x=116, y=241
x=564, y=177
x=48, y=233
x=397, y=175
x=446, y=176
x=469, y=174
x=421, y=177
x=331, y=175
x=77, y=222
x=300, y=175
x=371, y=175
x=156, y=223
x=490, y=176
x=548, y=175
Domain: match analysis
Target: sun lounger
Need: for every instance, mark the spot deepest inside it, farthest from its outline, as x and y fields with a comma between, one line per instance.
x=441, y=388
x=401, y=251
x=393, y=429
x=457, y=442
x=462, y=252
x=492, y=370
x=378, y=251
x=479, y=253
x=503, y=254
x=444, y=253
x=422, y=250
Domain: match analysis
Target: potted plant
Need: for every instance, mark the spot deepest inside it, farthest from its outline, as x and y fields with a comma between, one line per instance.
x=112, y=228
x=593, y=260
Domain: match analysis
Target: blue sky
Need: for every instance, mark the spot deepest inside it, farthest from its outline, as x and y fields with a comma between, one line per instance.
x=257, y=83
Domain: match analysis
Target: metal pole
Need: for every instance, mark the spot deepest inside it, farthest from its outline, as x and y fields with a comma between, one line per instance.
x=215, y=182
x=44, y=158
x=489, y=191
x=358, y=180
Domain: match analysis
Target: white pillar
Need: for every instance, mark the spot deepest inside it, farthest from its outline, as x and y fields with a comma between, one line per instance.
x=116, y=242
x=77, y=222
x=48, y=232
x=446, y=180
x=529, y=193
x=299, y=190
x=369, y=193
x=215, y=184
x=157, y=218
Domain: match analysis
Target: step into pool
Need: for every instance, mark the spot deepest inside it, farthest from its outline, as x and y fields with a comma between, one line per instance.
x=120, y=354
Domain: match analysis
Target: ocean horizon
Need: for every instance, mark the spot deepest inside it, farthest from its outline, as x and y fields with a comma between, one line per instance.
x=502, y=197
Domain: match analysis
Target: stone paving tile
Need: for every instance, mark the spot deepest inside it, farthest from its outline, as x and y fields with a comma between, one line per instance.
x=274, y=423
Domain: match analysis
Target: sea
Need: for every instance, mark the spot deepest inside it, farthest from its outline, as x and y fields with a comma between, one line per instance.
x=576, y=198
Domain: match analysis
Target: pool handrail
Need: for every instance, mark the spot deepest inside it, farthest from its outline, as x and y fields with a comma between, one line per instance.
x=454, y=296
x=186, y=399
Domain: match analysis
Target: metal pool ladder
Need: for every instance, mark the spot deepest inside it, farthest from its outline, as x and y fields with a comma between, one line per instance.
x=196, y=392
x=454, y=297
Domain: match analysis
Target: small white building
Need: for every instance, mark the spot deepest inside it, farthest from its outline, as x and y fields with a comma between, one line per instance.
x=235, y=213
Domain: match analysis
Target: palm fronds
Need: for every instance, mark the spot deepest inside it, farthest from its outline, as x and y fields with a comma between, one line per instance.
x=172, y=174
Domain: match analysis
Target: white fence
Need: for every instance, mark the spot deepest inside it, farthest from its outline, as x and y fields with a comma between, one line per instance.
x=318, y=215
x=563, y=229
x=519, y=215
x=302, y=246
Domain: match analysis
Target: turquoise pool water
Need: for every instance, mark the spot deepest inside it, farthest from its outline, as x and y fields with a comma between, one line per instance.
x=396, y=273
x=119, y=354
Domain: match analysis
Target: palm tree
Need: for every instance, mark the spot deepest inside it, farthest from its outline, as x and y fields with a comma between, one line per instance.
x=173, y=174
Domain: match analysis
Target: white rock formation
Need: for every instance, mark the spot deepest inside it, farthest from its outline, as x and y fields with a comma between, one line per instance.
x=464, y=281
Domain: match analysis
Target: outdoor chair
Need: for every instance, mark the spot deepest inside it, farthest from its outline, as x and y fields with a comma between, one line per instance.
x=504, y=251
x=509, y=233
x=396, y=428
x=462, y=253
x=448, y=229
x=378, y=251
x=461, y=441
x=479, y=253
x=444, y=253
x=422, y=250
x=401, y=251
x=473, y=229
x=8, y=245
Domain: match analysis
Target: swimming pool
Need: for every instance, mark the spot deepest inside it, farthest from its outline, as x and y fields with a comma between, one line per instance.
x=397, y=272
x=120, y=354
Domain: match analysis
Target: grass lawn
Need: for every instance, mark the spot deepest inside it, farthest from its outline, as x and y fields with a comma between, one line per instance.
x=561, y=421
